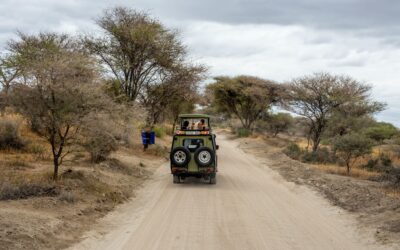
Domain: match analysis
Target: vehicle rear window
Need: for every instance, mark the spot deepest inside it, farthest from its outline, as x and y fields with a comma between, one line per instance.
x=193, y=144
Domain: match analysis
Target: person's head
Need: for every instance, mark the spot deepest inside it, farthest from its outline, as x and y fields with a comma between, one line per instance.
x=202, y=121
x=185, y=124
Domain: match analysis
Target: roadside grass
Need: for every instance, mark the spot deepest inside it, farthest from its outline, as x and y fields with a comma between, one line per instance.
x=356, y=172
x=392, y=191
x=21, y=185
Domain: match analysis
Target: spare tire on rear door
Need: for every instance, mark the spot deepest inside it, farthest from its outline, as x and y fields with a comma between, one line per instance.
x=204, y=157
x=180, y=156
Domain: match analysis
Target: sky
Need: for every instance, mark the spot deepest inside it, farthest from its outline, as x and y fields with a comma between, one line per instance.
x=274, y=39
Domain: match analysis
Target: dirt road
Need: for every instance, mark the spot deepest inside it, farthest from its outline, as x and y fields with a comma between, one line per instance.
x=251, y=207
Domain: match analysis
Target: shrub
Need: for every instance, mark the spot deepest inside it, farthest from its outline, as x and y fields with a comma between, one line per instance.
x=9, y=135
x=67, y=197
x=351, y=146
x=38, y=150
x=159, y=131
x=376, y=165
x=243, y=132
x=293, y=151
x=13, y=191
x=322, y=155
x=100, y=146
x=279, y=123
x=381, y=131
x=385, y=160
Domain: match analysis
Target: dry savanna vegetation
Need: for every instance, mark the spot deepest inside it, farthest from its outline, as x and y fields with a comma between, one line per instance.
x=319, y=130
x=72, y=108
x=327, y=119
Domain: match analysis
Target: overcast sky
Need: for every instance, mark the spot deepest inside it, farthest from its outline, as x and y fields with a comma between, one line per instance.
x=275, y=39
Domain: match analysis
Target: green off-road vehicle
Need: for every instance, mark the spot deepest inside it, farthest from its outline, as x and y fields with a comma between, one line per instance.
x=193, y=151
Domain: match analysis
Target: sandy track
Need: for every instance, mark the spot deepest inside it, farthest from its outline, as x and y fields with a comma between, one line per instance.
x=251, y=207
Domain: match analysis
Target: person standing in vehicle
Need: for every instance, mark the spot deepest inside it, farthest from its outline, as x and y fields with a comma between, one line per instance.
x=201, y=125
x=185, y=125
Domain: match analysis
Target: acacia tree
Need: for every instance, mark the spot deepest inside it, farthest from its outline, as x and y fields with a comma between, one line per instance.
x=58, y=91
x=147, y=60
x=137, y=49
x=9, y=72
x=245, y=97
x=319, y=96
x=280, y=122
x=352, y=146
x=173, y=92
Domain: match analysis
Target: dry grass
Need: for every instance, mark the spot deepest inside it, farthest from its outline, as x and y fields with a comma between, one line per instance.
x=16, y=185
x=392, y=191
x=355, y=171
x=37, y=148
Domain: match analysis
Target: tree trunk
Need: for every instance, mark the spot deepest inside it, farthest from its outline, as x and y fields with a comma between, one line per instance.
x=316, y=141
x=348, y=163
x=56, y=165
x=316, y=138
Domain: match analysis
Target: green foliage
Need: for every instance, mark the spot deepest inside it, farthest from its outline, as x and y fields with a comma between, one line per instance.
x=381, y=131
x=385, y=160
x=9, y=135
x=381, y=164
x=341, y=123
x=280, y=122
x=159, y=131
x=243, y=132
x=322, y=155
x=148, y=62
x=245, y=97
x=351, y=146
x=293, y=151
x=59, y=87
x=322, y=96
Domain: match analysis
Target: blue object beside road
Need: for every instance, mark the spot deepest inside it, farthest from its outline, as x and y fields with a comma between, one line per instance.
x=148, y=137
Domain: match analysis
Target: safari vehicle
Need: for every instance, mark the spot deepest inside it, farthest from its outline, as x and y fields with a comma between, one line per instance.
x=193, y=151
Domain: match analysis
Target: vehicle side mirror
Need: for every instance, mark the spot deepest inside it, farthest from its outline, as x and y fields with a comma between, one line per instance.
x=217, y=147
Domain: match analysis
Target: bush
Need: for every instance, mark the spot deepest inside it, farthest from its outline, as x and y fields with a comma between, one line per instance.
x=279, y=123
x=159, y=131
x=381, y=131
x=377, y=165
x=293, y=151
x=351, y=146
x=243, y=132
x=10, y=191
x=322, y=155
x=385, y=160
x=99, y=143
x=9, y=135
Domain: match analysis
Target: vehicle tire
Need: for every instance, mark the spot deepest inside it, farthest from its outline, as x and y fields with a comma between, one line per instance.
x=213, y=179
x=180, y=156
x=177, y=179
x=204, y=157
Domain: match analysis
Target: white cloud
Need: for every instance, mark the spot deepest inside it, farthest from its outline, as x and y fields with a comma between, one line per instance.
x=278, y=40
x=281, y=52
